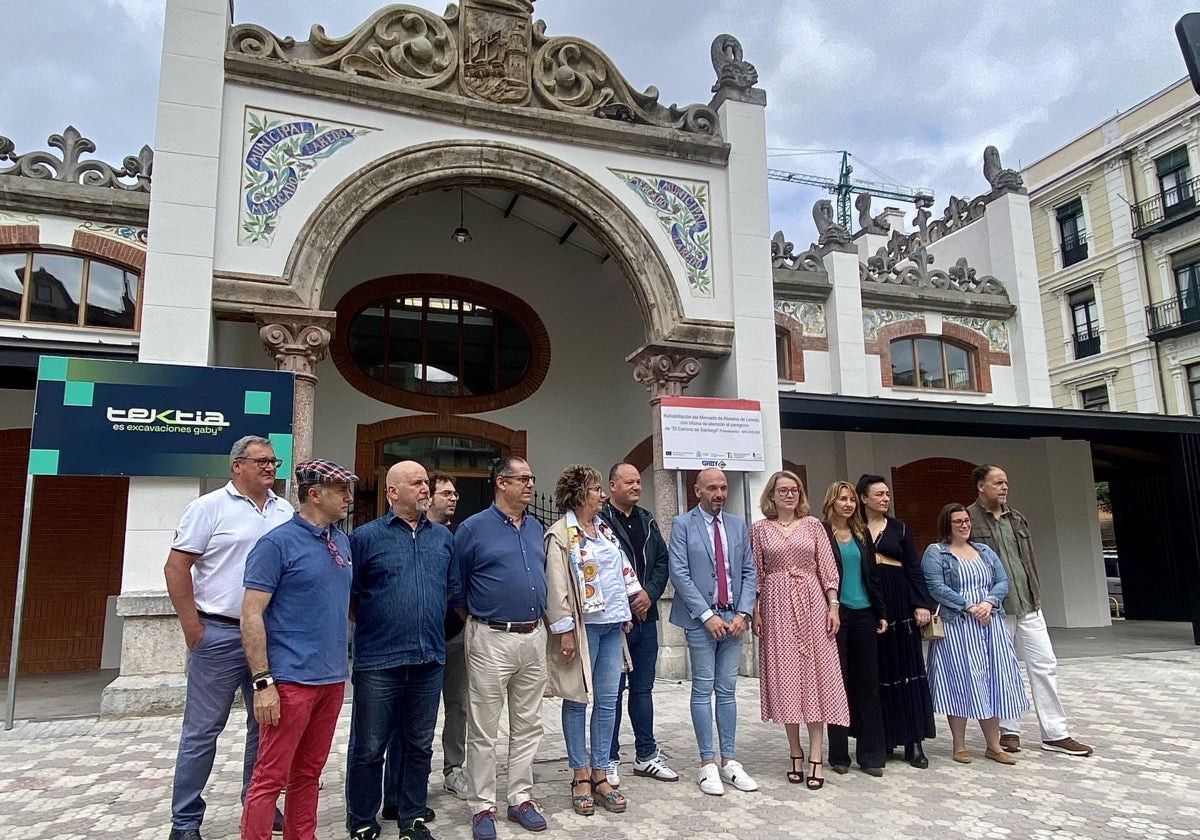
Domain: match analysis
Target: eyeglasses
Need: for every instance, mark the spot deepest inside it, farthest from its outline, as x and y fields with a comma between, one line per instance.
x=447, y=494
x=788, y=491
x=527, y=480
x=264, y=463
x=334, y=553
x=960, y=521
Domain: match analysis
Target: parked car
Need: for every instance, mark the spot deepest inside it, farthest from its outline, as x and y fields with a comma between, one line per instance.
x=1112, y=572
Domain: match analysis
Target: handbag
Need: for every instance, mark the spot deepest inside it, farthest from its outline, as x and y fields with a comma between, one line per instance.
x=934, y=630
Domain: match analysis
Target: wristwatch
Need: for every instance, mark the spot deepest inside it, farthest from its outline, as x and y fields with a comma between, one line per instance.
x=263, y=682
x=747, y=616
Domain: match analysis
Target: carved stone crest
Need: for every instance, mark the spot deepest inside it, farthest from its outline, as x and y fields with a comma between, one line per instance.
x=497, y=48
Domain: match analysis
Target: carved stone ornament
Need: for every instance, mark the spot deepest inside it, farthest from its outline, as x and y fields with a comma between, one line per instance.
x=782, y=256
x=489, y=50
x=70, y=169
x=830, y=235
x=664, y=372
x=878, y=225
x=914, y=271
x=1006, y=180
x=295, y=341
x=732, y=71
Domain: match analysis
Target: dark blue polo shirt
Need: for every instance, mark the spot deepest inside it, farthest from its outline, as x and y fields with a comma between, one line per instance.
x=503, y=567
x=310, y=596
x=403, y=581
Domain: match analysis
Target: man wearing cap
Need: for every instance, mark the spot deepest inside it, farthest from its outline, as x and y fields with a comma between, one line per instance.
x=294, y=632
x=404, y=576
x=503, y=562
x=204, y=579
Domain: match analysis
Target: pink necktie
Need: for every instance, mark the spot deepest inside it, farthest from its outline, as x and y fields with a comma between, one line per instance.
x=719, y=556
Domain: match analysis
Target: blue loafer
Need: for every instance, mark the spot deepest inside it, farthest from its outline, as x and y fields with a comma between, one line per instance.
x=528, y=815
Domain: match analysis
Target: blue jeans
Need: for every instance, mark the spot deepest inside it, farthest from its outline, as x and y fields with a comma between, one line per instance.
x=604, y=650
x=714, y=667
x=216, y=669
x=396, y=706
x=643, y=650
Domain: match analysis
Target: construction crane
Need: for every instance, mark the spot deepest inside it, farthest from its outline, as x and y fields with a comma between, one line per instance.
x=844, y=187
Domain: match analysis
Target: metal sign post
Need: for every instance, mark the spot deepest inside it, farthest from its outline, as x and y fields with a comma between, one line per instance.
x=10, y=701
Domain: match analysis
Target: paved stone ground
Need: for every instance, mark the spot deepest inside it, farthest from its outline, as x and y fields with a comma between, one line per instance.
x=77, y=779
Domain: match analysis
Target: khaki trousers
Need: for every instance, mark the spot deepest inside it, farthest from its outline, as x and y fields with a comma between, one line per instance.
x=503, y=666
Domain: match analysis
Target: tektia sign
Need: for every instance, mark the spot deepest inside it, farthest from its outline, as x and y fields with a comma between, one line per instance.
x=101, y=417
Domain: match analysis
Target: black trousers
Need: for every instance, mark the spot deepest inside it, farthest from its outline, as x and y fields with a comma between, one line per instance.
x=858, y=649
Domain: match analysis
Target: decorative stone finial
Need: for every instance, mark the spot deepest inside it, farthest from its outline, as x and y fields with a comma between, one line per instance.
x=783, y=255
x=70, y=169
x=732, y=71
x=830, y=235
x=1001, y=179
x=868, y=223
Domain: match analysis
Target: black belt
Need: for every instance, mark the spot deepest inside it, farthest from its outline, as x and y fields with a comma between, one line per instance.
x=220, y=619
x=509, y=626
x=723, y=607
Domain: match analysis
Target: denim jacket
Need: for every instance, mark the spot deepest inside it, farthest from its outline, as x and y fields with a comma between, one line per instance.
x=945, y=582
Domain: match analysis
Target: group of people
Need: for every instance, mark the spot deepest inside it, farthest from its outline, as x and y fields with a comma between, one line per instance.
x=502, y=612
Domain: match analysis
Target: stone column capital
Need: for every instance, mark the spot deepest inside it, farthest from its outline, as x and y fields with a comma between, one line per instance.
x=665, y=371
x=297, y=339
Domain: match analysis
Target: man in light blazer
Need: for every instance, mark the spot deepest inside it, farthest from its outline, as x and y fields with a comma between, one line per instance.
x=715, y=580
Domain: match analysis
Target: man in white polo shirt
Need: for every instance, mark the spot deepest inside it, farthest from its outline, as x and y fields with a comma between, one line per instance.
x=204, y=579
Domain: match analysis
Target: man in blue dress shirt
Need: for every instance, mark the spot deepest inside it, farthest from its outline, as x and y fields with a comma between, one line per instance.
x=404, y=576
x=503, y=564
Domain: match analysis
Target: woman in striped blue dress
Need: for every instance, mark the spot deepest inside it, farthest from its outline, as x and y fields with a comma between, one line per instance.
x=973, y=671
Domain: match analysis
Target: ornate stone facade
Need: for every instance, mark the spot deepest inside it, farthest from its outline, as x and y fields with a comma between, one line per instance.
x=67, y=167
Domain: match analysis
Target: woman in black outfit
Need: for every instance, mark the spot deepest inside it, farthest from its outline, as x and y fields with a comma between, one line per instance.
x=862, y=618
x=903, y=685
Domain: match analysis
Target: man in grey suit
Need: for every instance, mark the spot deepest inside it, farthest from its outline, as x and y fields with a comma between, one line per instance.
x=715, y=581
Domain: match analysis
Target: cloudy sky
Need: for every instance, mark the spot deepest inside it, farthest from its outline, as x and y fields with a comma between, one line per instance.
x=914, y=94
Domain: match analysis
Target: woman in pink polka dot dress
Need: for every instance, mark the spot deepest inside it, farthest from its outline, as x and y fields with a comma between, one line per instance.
x=796, y=620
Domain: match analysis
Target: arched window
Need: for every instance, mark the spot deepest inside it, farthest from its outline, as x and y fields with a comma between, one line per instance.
x=931, y=362
x=47, y=287
x=437, y=343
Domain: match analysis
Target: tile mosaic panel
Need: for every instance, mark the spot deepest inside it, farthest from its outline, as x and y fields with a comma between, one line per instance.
x=281, y=151
x=682, y=210
x=996, y=332
x=126, y=233
x=876, y=319
x=810, y=316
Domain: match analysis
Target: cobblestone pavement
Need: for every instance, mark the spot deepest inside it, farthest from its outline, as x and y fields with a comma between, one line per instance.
x=71, y=780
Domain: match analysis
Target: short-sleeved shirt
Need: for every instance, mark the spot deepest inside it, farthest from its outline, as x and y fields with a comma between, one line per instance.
x=306, y=619
x=503, y=567
x=220, y=528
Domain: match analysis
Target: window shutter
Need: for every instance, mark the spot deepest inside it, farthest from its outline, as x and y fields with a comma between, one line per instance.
x=1171, y=161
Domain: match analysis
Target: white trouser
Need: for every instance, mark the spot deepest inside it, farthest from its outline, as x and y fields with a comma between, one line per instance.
x=1032, y=642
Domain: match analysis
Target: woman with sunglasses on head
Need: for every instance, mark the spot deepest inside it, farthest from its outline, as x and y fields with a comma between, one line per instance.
x=589, y=581
x=862, y=619
x=973, y=671
x=796, y=620
x=903, y=684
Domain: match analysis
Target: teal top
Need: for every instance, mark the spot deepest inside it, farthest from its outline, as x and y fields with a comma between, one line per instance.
x=853, y=594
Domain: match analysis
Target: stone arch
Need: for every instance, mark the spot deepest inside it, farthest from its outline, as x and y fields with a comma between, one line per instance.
x=466, y=163
x=922, y=488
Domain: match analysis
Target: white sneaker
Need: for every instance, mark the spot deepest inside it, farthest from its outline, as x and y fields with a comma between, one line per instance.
x=733, y=772
x=611, y=773
x=656, y=768
x=710, y=780
x=456, y=782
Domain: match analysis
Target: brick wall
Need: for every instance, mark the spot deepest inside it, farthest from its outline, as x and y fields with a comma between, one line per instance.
x=77, y=541
x=922, y=488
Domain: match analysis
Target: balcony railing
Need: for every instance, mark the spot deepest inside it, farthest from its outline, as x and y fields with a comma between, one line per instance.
x=1166, y=209
x=1074, y=248
x=1172, y=316
x=1087, y=345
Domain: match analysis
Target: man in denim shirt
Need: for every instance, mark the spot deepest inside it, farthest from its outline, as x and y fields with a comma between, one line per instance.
x=404, y=576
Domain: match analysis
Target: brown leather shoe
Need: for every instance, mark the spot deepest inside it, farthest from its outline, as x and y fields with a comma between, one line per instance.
x=962, y=756
x=1010, y=743
x=999, y=756
x=1067, y=745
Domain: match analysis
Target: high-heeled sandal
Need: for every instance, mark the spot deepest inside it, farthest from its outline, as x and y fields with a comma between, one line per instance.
x=583, y=804
x=813, y=782
x=612, y=801
x=795, y=776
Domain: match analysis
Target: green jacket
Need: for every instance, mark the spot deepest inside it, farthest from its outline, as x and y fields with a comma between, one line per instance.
x=982, y=530
x=654, y=556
